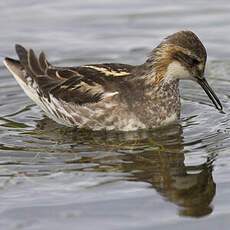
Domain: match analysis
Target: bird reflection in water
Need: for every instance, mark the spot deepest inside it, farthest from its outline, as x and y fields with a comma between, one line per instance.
x=155, y=157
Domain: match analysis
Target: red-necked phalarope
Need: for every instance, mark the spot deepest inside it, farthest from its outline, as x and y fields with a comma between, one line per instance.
x=115, y=96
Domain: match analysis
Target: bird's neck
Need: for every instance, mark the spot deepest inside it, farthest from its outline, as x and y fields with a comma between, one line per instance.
x=156, y=67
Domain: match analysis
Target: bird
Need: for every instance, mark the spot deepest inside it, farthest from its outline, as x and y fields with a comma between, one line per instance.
x=114, y=96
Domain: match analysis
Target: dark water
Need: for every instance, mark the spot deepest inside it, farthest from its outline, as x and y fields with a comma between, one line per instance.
x=53, y=177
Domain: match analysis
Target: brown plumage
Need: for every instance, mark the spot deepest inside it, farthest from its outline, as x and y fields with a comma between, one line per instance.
x=112, y=95
x=179, y=46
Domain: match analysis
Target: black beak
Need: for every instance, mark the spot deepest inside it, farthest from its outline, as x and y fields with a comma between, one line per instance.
x=208, y=90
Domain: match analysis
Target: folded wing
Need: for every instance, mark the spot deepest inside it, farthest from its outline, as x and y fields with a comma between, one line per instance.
x=66, y=84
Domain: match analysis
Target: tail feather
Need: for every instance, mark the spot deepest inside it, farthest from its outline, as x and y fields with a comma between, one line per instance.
x=15, y=67
x=31, y=74
x=28, y=73
x=32, y=64
x=28, y=65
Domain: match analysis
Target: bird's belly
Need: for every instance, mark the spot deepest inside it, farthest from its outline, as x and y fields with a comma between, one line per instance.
x=115, y=118
x=109, y=116
x=104, y=115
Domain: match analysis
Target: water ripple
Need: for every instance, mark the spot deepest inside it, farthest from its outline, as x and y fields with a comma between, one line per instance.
x=57, y=177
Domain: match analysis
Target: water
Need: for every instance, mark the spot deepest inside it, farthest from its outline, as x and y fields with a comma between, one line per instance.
x=52, y=177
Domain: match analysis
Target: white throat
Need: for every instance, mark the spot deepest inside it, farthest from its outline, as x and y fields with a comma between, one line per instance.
x=176, y=71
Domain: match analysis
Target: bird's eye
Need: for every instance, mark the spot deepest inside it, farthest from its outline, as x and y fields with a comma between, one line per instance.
x=194, y=61
x=185, y=58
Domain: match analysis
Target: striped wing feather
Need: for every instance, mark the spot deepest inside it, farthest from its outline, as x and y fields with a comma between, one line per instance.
x=79, y=85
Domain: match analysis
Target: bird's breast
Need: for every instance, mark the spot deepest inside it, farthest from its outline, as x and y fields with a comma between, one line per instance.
x=159, y=106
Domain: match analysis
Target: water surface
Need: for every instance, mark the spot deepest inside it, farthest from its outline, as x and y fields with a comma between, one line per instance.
x=52, y=177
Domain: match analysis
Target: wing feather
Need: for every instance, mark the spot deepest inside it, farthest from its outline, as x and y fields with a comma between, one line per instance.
x=44, y=64
x=33, y=63
x=79, y=85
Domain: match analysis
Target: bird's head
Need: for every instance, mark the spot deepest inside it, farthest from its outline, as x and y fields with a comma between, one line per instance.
x=182, y=56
